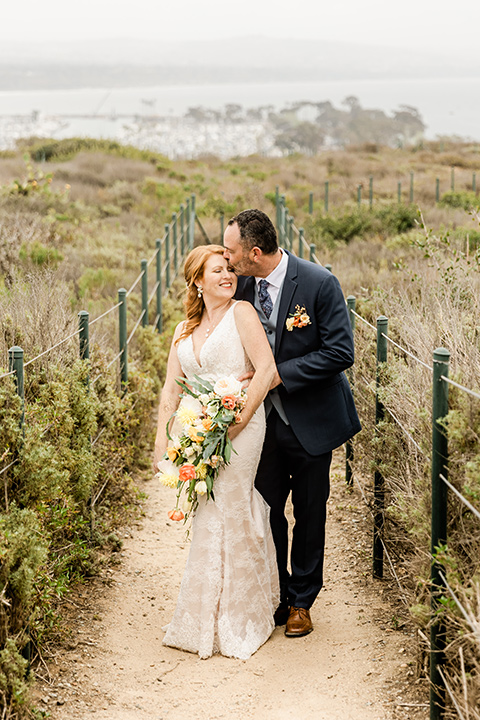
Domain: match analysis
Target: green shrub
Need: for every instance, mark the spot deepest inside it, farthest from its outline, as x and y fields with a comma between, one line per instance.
x=167, y=192
x=460, y=199
x=13, y=688
x=216, y=206
x=339, y=227
x=397, y=219
x=342, y=226
x=97, y=282
x=40, y=254
x=22, y=551
x=62, y=150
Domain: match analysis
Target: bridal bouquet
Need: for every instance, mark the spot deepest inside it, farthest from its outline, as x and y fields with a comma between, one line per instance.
x=201, y=447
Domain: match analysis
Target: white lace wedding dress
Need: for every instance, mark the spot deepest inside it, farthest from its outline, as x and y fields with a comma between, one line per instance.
x=229, y=589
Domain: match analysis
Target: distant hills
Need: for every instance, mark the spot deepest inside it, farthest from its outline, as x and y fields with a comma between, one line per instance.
x=129, y=62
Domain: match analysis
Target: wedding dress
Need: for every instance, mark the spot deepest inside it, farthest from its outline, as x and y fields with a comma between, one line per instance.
x=229, y=589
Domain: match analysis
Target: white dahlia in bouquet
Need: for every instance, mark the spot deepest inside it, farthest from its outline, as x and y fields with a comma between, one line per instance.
x=202, y=447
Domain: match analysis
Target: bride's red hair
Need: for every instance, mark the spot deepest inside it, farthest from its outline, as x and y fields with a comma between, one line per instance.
x=193, y=272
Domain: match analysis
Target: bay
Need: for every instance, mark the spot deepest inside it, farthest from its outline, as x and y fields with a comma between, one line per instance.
x=447, y=106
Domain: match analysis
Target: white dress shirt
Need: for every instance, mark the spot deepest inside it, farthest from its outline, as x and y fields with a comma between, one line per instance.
x=276, y=278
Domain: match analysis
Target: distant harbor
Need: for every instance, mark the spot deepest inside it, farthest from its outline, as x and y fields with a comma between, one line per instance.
x=154, y=117
x=171, y=136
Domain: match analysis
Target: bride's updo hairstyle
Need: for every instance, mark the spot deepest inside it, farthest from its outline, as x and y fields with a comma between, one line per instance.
x=193, y=272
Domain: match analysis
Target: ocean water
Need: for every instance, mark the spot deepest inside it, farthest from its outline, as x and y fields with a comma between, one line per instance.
x=447, y=106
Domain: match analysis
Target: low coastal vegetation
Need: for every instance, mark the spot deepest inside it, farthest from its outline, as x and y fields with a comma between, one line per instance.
x=77, y=216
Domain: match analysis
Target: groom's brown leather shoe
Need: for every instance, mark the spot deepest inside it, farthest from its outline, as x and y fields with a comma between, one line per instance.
x=298, y=623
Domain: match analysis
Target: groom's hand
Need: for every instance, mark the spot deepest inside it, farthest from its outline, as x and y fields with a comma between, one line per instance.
x=277, y=380
x=245, y=379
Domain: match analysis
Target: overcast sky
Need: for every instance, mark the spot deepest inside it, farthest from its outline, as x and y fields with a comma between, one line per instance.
x=434, y=25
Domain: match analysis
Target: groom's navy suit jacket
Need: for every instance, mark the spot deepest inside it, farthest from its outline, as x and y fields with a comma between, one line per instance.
x=311, y=360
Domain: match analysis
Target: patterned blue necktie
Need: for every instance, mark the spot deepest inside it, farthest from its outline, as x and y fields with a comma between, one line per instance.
x=264, y=297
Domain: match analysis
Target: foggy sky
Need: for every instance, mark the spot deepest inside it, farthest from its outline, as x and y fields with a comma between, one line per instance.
x=448, y=29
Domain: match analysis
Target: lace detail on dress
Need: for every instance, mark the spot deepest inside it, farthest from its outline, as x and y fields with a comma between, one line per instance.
x=229, y=589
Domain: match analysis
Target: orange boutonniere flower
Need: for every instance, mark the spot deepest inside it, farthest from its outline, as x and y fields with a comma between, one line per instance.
x=298, y=319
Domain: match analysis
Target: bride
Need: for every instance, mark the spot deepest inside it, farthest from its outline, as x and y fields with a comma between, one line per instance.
x=229, y=589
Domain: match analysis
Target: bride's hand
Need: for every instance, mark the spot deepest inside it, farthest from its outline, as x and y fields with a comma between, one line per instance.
x=235, y=429
x=157, y=456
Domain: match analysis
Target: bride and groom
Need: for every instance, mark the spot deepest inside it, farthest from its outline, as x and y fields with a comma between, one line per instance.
x=282, y=325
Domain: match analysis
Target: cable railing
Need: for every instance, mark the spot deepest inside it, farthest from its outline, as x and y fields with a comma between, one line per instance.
x=439, y=465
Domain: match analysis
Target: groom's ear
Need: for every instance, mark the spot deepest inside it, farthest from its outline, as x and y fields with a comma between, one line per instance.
x=256, y=254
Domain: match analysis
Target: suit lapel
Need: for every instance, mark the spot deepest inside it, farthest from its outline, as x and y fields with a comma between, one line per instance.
x=246, y=289
x=289, y=287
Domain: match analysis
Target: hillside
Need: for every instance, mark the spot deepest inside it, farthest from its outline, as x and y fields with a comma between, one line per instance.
x=77, y=217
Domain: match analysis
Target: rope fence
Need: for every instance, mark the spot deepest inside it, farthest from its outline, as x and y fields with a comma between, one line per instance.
x=107, y=312
x=135, y=283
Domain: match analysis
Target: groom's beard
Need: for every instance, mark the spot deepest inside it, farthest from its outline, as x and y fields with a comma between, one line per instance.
x=245, y=267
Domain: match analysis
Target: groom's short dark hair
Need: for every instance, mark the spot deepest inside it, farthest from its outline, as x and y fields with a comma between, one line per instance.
x=256, y=230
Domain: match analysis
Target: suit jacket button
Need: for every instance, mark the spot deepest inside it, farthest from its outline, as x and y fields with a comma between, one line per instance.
x=269, y=332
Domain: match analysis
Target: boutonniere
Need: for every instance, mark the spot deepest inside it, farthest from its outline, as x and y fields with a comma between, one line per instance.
x=298, y=319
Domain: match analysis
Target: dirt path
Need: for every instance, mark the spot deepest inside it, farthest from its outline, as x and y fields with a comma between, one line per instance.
x=353, y=666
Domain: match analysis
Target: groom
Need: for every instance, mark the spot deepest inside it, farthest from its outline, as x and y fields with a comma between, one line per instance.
x=310, y=409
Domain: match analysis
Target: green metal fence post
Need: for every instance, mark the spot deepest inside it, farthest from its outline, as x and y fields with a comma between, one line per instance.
x=277, y=208
x=411, y=188
x=452, y=179
x=310, y=203
x=285, y=226
x=399, y=192
x=326, y=196
x=312, y=252
x=283, y=212
x=370, y=191
x=173, y=225
x=351, y=300
x=182, y=230
x=15, y=364
x=437, y=190
x=283, y=221
x=167, y=254
x=144, y=266
x=84, y=339
x=300, y=242
x=441, y=358
x=83, y=336
x=379, y=482
x=328, y=267
x=359, y=195
x=286, y=217
x=122, y=337
x=187, y=218
x=290, y=232
x=158, y=267
x=192, y=222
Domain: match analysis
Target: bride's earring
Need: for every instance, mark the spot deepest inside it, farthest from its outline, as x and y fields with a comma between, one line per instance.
x=199, y=290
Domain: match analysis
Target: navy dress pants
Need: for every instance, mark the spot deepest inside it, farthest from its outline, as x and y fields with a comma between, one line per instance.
x=286, y=467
